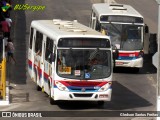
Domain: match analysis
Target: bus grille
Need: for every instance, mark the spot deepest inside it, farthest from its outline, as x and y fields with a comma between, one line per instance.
x=126, y=58
x=82, y=95
x=79, y=89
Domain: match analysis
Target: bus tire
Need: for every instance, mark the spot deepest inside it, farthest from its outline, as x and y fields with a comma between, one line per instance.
x=39, y=88
x=52, y=101
x=136, y=70
x=100, y=103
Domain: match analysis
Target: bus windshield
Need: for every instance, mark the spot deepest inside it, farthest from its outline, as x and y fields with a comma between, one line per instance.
x=124, y=36
x=83, y=64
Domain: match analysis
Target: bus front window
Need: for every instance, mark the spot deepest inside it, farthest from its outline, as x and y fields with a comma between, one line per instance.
x=81, y=64
x=125, y=36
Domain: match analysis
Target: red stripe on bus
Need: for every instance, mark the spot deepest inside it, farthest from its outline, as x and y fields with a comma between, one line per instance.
x=82, y=83
x=29, y=62
x=136, y=54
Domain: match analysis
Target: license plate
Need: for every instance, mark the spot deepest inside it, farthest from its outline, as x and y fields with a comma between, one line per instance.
x=119, y=63
x=103, y=95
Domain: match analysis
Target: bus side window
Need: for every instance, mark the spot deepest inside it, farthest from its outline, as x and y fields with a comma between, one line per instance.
x=97, y=26
x=31, y=38
x=49, y=50
x=93, y=14
x=38, y=43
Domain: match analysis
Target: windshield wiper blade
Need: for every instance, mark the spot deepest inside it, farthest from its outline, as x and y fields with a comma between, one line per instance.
x=115, y=27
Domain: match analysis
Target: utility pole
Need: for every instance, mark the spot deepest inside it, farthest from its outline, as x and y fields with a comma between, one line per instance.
x=158, y=66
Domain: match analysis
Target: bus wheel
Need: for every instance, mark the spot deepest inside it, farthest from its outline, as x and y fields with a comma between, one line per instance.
x=52, y=101
x=39, y=88
x=136, y=70
x=100, y=103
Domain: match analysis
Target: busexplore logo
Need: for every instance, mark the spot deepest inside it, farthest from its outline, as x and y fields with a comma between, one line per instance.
x=6, y=114
x=21, y=114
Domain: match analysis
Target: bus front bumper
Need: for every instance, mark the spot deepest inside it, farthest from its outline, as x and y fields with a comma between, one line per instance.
x=82, y=96
x=137, y=63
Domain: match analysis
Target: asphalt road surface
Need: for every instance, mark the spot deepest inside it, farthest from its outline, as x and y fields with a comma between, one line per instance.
x=131, y=92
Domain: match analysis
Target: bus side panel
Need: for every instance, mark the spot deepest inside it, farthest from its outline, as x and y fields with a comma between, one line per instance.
x=38, y=58
x=31, y=54
x=41, y=65
x=48, y=76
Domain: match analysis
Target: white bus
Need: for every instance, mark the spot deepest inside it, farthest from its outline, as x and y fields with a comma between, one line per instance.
x=125, y=27
x=70, y=61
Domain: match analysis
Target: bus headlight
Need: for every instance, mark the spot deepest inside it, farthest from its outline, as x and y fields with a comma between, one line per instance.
x=105, y=87
x=61, y=87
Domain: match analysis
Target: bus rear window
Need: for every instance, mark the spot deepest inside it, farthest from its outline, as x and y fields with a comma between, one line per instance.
x=84, y=42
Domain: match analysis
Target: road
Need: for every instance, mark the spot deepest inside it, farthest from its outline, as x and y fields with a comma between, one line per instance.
x=131, y=92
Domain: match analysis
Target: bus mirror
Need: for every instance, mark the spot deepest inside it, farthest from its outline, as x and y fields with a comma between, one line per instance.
x=115, y=53
x=146, y=29
x=93, y=18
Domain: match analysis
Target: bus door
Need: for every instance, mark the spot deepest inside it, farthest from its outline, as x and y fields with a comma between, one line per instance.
x=38, y=57
x=31, y=53
x=93, y=21
x=41, y=62
x=48, y=76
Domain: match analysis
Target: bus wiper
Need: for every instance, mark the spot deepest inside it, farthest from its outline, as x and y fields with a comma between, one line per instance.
x=123, y=39
x=115, y=27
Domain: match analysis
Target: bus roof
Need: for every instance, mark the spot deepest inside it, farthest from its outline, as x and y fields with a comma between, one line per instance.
x=115, y=9
x=60, y=28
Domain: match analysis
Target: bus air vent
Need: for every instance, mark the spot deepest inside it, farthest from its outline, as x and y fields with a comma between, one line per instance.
x=72, y=27
x=119, y=9
x=56, y=20
x=82, y=95
x=60, y=22
x=77, y=30
x=116, y=5
x=75, y=20
x=68, y=25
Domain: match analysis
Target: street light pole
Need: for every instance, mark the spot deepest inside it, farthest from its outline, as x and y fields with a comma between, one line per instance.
x=158, y=68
